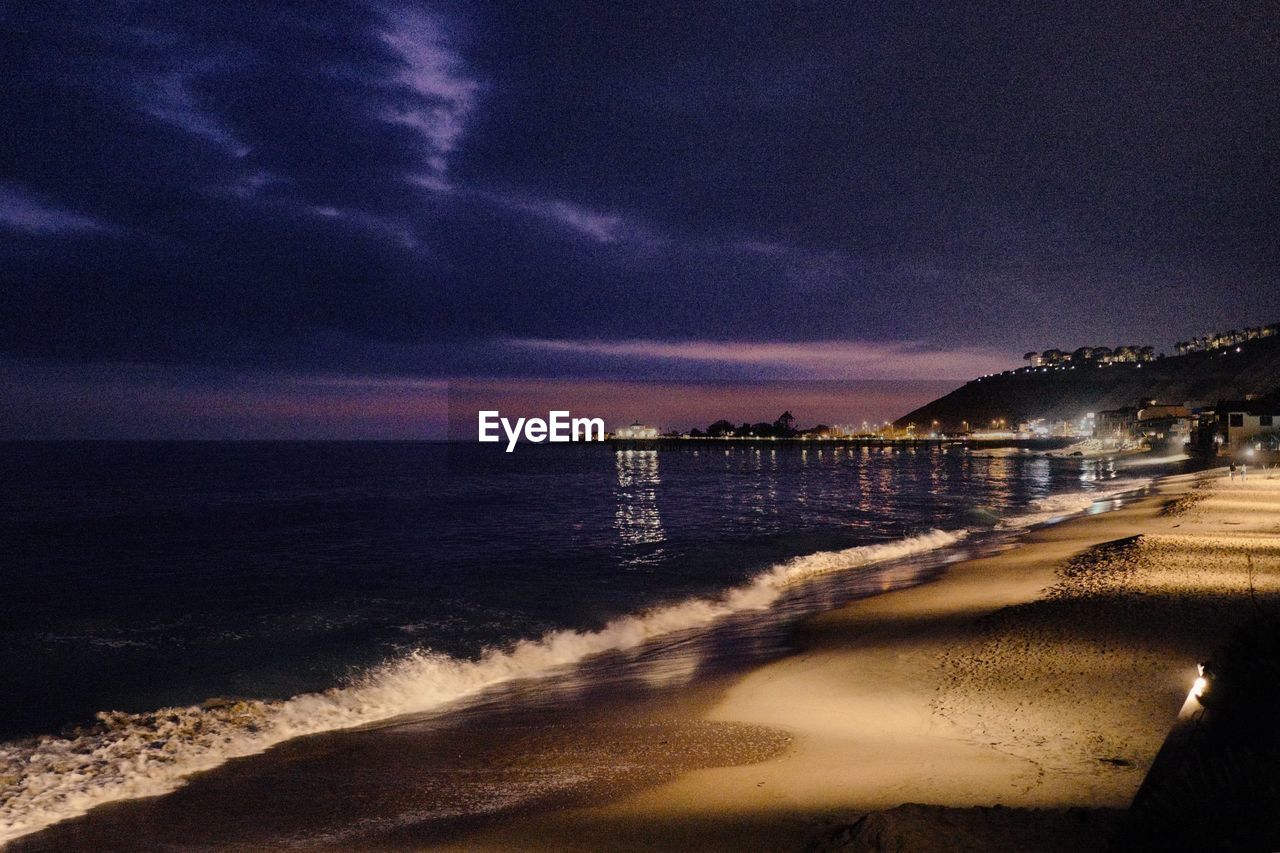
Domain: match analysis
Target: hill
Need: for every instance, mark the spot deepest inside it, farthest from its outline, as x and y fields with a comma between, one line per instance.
x=1066, y=394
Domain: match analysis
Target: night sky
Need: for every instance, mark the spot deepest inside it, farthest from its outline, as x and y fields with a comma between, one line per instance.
x=314, y=219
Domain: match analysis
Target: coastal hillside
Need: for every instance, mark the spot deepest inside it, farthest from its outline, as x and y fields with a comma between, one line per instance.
x=1062, y=393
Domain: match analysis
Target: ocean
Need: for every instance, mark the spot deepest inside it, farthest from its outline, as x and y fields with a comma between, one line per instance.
x=169, y=606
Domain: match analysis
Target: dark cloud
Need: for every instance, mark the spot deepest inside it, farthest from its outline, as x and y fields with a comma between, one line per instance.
x=410, y=187
x=22, y=212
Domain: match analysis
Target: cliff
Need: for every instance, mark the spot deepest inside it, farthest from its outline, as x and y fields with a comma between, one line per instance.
x=1196, y=379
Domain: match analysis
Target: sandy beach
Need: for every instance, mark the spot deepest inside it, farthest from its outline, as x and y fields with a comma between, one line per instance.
x=1046, y=677
x=1016, y=702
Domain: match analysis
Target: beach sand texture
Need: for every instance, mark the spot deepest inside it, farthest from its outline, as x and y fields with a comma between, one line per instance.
x=1044, y=677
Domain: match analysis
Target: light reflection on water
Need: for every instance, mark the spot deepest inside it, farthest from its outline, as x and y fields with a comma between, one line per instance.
x=1098, y=470
x=761, y=490
x=1038, y=471
x=873, y=482
x=637, y=518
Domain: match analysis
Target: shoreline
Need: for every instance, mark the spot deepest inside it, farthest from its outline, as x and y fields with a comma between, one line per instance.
x=713, y=722
x=674, y=654
x=993, y=685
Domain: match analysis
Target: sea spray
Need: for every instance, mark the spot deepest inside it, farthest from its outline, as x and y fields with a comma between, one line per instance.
x=127, y=756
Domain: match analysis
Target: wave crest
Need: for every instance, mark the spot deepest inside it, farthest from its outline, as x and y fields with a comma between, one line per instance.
x=128, y=755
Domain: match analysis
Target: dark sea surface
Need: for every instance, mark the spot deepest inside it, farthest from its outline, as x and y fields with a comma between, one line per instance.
x=137, y=575
x=385, y=578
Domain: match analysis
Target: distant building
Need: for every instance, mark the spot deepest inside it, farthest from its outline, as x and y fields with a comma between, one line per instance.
x=1241, y=422
x=1051, y=358
x=636, y=430
x=1171, y=425
x=993, y=434
x=1155, y=411
x=1116, y=423
x=1235, y=427
x=1222, y=340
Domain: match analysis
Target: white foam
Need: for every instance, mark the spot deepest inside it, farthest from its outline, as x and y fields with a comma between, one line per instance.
x=1063, y=505
x=141, y=755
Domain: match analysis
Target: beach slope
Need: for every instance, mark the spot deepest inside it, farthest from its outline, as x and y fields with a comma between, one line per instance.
x=1045, y=677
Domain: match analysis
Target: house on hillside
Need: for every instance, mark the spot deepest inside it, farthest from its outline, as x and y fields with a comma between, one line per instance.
x=1221, y=340
x=1053, y=357
x=1083, y=355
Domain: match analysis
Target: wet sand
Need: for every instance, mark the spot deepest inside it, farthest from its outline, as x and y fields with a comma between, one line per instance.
x=416, y=782
x=1043, y=677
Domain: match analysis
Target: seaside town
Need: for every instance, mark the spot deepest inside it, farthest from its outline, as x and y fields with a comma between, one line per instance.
x=1248, y=427
x=1244, y=428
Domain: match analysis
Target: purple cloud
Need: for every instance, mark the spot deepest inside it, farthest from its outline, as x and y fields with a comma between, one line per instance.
x=107, y=400
x=400, y=232
x=168, y=97
x=600, y=227
x=436, y=96
x=23, y=212
x=802, y=359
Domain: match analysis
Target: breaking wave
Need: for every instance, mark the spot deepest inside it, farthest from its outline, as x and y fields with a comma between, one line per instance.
x=1062, y=505
x=130, y=755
